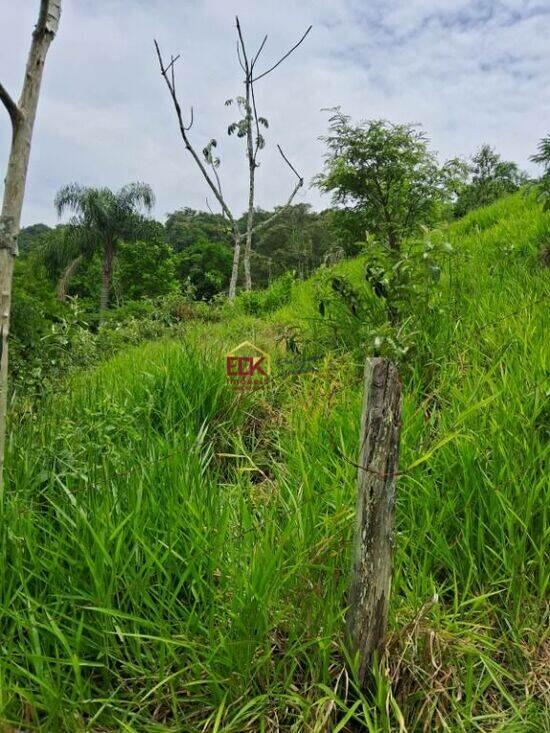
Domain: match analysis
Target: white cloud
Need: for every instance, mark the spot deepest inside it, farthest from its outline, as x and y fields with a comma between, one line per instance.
x=470, y=72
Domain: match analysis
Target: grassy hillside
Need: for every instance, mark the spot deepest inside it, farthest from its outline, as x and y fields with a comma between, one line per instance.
x=175, y=557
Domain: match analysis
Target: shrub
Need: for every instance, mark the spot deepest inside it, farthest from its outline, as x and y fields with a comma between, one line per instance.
x=257, y=302
x=383, y=317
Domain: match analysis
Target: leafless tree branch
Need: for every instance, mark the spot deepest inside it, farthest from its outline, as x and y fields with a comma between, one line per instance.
x=246, y=68
x=239, y=57
x=287, y=54
x=287, y=161
x=219, y=183
x=191, y=120
x=256, y=122
x=172, y=62
x=280, y=210
x=286, y=206
x=258, y=52
x=184, y=130
x=209, y=207
x=11, y=106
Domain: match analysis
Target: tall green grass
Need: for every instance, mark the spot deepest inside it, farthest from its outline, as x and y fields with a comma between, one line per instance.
x=175, y=557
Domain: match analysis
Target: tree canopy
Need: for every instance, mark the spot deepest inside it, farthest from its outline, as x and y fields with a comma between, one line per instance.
x=185, y=227
x=542, y=157
x=102, y=219
x=486, y=178
x=384, y=170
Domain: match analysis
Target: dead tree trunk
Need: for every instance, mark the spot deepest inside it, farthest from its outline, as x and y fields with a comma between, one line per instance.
x=251, y=153
x=249, y=127
x=22, y=116
x=249, y=225
x=372, y=553
x=235, y=267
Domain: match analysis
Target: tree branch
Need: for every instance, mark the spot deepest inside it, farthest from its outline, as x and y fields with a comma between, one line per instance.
x=190, y=125
x=209, y=207
x=286, y=206
x=258, y=52
x=256, y=121
x=11, y=106
x=48, y=17
x=287, y=161
x=184, y=130
x=279, y=211
x=249, y=86
x=287, y=54
x=243, y=47
x=252, y=152
x=215, y=172
x=239, y=57
x=172, y=62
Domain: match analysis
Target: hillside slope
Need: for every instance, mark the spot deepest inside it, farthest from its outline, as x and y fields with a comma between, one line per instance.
x=175, y=557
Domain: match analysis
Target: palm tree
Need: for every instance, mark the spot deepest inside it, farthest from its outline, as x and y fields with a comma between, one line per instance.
x=101, y=220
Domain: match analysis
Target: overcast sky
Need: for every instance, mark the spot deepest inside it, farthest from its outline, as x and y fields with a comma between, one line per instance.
x=470, y=72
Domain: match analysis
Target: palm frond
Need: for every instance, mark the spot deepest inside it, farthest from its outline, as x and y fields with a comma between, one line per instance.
x=69, y=198
x=134, y=195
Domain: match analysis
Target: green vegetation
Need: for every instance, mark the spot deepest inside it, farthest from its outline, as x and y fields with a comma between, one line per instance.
x=102, y=220
x=175, y=556
x=485, y=179
x=386, y=171
x=543, y=158
x=175, y=553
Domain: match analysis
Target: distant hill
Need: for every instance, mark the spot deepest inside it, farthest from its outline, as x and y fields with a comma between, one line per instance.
x=30, y=236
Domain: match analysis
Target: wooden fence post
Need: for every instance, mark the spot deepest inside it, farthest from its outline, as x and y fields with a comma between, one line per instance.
x=372, y=553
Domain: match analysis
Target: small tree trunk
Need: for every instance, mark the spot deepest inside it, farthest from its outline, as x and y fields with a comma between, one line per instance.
x=66, y=277
x=250, y=217
x=22, y=116
x=393, y=241
x=247, y=253
x=235, y=268
x=251, y=155
x=108, y=256
x=372, y=555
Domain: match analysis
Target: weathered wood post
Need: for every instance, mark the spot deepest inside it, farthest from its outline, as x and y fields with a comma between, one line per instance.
x=372, y=552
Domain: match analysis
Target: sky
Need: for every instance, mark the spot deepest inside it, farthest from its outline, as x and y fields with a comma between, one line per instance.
x=469, y=72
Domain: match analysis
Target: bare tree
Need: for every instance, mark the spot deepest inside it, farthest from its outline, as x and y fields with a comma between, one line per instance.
x=249, y=127
x=22, y=115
